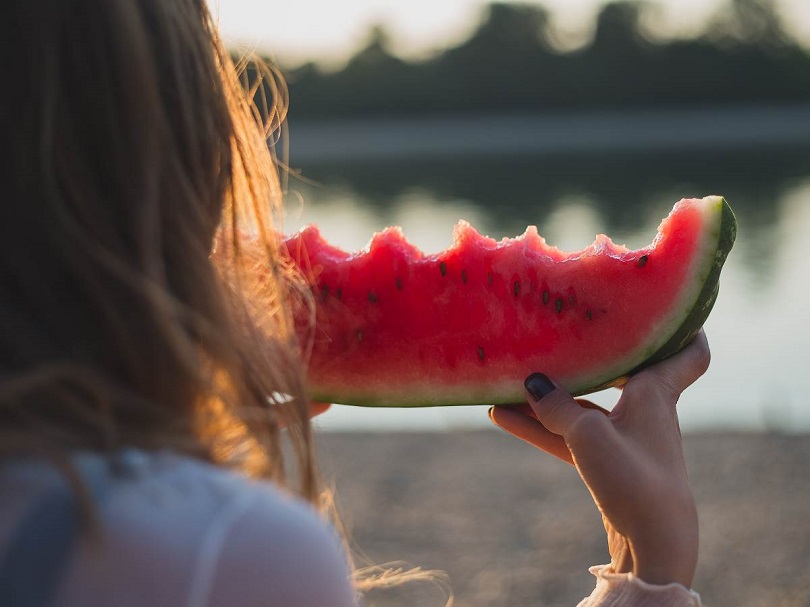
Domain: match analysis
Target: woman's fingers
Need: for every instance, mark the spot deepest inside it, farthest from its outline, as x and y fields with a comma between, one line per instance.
x=652, y=393
x=679, y=371
x=558, y=411
x=519, y=421
x=690, y=363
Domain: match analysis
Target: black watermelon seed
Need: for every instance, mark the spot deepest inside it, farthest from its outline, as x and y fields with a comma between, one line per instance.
x=517, y=288
x=481, y=353
x=464, y=276
x=399, y=283
x=642, y=261
x=489, y=278
x=589, y=315
x=558, y=305
x=443, y=268
x=324, y=291
x=545, y=298
x=372, y=298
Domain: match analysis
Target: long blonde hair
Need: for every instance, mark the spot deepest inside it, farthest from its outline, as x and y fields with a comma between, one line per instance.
x=132, y=141
x=133, y=311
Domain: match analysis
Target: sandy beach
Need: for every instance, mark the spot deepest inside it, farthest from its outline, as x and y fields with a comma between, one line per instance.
x=514, y=527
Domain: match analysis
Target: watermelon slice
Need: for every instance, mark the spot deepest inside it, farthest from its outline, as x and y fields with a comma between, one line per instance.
x=396, y=327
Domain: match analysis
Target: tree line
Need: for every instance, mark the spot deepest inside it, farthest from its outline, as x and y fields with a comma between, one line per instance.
x=512, y=64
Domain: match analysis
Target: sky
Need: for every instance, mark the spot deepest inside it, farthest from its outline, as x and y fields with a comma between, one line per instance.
x=294, y=31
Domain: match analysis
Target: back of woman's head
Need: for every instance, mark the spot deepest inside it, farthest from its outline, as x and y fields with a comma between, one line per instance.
x=128, y=140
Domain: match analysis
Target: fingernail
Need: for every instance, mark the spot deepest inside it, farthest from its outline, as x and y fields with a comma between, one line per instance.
x=538, y=385
x=491, y=410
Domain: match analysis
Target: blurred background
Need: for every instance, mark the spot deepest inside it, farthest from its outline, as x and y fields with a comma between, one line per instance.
x=578, y=116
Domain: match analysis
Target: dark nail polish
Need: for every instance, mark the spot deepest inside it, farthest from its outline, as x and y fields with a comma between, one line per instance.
x=538, y=385
x=491, y=410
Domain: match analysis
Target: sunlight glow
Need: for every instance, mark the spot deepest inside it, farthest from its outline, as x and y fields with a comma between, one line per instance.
x=329, y=32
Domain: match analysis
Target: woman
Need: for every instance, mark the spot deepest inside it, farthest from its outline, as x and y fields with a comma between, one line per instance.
x=143, y=384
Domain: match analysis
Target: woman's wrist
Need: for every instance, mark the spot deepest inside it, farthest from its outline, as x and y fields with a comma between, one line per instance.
x=663, y=573
x=666, y=555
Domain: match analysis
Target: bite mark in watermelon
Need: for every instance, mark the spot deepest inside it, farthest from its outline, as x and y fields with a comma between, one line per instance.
x=396, y=327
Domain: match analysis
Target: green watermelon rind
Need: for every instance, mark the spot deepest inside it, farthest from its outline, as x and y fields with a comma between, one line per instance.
x=696, y=316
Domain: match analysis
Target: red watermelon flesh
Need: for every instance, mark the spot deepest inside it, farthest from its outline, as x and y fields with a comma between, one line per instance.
x=395, y=327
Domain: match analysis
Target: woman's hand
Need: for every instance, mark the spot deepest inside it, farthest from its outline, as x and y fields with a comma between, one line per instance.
x=631, y=460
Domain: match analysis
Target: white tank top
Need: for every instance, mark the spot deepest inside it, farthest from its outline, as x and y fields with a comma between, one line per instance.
x=178, y=532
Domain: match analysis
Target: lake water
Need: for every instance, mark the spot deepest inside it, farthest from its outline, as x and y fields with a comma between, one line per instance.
x=759, y=330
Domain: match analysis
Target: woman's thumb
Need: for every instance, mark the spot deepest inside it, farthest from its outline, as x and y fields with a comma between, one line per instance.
x=554, y=407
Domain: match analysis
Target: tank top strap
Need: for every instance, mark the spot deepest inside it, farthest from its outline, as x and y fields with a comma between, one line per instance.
x=40, y=547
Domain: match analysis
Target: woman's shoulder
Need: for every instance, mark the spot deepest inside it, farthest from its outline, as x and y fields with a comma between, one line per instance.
x=235, y=540
x=179, y=531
